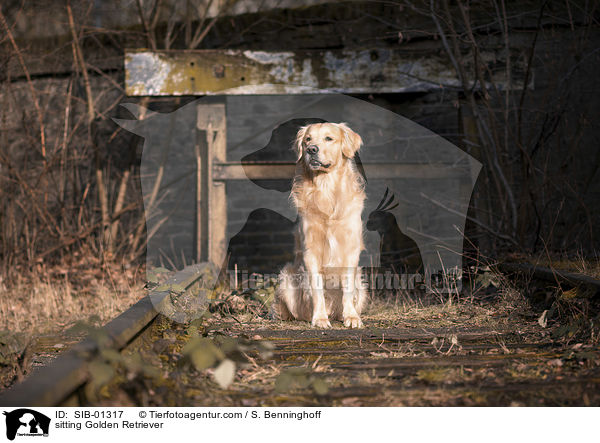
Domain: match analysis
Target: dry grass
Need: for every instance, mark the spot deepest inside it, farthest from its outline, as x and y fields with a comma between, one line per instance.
x=49, y=300
x=576, y=263
x=38, y=308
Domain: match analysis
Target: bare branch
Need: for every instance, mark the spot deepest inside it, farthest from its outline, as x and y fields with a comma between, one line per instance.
x=34, y=97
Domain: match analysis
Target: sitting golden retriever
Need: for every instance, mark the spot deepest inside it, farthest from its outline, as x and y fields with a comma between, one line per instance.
x=328, y=192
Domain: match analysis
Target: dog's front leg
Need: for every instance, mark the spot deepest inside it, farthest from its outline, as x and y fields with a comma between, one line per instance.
x=319, y=316
x=317, y=292
x=313, y=235
x=350, y=316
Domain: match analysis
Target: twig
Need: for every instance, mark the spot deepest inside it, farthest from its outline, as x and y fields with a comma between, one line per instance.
x=34, y=97
x=492, y=140
x=102, y=194
x=68, y=242
x=147, y=30
x=63, y=159
x=484, y=226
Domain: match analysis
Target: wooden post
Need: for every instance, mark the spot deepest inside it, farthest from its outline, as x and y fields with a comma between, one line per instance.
x=211, y=202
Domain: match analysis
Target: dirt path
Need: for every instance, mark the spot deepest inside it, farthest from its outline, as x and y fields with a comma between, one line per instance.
x=491, y=348
x=467, y=353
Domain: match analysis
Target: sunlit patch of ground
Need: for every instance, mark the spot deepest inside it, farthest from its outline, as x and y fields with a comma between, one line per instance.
x=37, y=308
x=476, y=350
x=487, y=346
x=575, y=263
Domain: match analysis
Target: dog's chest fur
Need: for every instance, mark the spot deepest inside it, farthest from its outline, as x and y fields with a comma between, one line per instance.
x=326, y=196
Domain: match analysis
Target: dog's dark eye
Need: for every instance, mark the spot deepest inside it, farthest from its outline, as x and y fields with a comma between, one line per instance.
x=328, y=139
x=308, y=139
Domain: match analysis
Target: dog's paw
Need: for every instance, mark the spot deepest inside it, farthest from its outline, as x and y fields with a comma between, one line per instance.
x=353, y=321
x=321, y=323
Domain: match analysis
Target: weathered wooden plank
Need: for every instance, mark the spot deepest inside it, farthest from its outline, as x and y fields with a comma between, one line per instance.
x=237, y=171
x=208, y=72
x=294, y=349
x=387, y=364
x=373, y=171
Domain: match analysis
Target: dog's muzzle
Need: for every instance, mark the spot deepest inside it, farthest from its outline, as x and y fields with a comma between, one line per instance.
x=313, y=162
x=316, y=163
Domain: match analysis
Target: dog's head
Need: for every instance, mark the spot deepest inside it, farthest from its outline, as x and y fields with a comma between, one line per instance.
x=323, y=146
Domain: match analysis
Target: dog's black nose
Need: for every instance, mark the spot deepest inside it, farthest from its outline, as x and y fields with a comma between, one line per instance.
x=312, y=149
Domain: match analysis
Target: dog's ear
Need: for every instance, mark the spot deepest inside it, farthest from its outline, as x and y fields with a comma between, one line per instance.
x=298, y=143
x=351, y=141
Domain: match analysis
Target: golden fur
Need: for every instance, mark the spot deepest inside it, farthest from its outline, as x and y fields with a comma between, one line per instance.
x=323, y=282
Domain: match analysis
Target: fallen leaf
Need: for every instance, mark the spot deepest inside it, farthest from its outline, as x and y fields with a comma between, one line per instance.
x=320, y=387
x=225, y=373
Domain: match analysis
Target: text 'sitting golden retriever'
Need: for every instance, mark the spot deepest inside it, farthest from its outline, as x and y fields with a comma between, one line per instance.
x=328, y=192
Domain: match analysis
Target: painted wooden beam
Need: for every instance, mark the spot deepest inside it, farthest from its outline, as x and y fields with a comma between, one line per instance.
x=373, y=171
x=377, y=70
